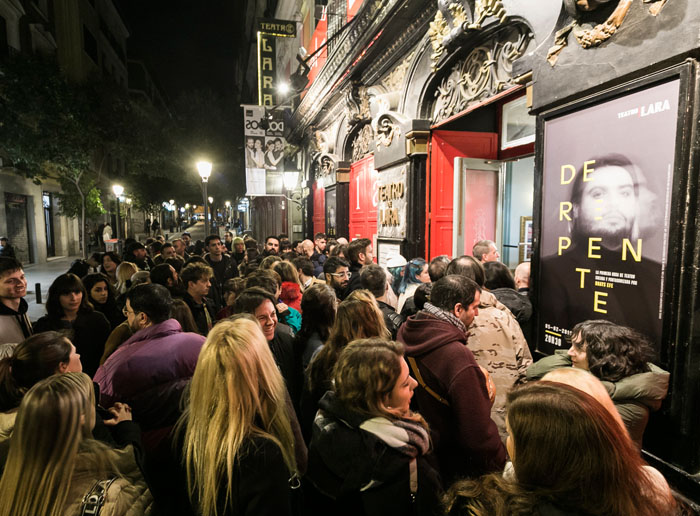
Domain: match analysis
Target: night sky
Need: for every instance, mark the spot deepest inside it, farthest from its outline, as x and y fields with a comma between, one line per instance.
x=187, y=45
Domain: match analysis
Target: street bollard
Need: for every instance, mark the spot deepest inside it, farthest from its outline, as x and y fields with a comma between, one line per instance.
x=37, y=289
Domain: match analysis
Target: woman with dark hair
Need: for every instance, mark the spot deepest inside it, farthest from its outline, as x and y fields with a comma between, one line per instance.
x=318, y=305
x=34, y=359
x=68, y=310
x=620, y=357
x=101, y=295
x=357, y=317
x=570, y=457
x=501, y=284
x=415, y=273
x=381, y=467
x=182, y=314
x=109, y=263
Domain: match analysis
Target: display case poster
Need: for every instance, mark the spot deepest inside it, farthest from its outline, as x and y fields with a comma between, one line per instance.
x=264, y=151
x=606, y=190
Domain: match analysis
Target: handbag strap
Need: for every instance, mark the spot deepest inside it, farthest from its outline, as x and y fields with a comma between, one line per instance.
x=419, y=377
x=93, y=501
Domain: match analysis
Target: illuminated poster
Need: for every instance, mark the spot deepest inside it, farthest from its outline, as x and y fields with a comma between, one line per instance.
x=264, y=150
x=607, y=183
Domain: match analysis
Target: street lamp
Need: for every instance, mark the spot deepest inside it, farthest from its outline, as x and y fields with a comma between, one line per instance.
x=204, y=169
x=118, y=191
x=291, y=178
x=228, y=212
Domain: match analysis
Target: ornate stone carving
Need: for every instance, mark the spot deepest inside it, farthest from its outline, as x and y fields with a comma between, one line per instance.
x=485, y=72
x=386, y=130
x=394, y=79
x=452, y=21
x=362, y=143
x=321, y=139
x=589, y=35
x=325, y=167
x=357, y=105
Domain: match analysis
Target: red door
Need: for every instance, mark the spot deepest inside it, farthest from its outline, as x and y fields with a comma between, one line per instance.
x=363, y=200
x=445, y=146
x=319, y=219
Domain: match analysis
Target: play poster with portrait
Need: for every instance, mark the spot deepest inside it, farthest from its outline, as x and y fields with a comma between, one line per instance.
x=607, y=182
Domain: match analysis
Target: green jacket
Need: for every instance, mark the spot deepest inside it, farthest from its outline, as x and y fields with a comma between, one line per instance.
x=634, y=396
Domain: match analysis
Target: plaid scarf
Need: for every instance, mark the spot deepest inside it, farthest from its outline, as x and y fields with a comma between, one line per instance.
x=405, y=436
x=444, y=315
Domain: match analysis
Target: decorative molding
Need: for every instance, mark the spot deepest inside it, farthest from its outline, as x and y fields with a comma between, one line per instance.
x=386, y=130
x=362, y=143
x=322, y=141
x=394, y=79
x=452, y=22
x=325, y=166
x=417, y=142
x=592, y=36
x=357, y=105
x=486, y=71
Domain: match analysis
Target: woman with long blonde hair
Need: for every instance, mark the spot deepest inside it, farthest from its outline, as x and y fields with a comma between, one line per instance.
x=357, y=317
x=381, y=466
x=53, y=462
x=125, y=270
x=237, y=441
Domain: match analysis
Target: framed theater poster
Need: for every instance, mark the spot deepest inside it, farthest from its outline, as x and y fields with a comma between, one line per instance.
x=607, y=184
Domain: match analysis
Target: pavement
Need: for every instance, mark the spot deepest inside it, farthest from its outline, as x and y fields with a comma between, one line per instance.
x=45, y=273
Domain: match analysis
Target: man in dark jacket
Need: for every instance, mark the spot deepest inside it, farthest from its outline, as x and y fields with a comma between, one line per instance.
x=374, y=279
x=452, y=393
x=136, y=254
x=14, y=322
x=360, y=253
x=196, y=279
x=222, y=264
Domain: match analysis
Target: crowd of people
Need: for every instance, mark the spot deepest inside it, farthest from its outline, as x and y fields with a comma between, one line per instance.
x=224, y=377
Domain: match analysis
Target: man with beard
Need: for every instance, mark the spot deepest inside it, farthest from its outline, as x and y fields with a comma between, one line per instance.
x=272, y=246
x=14, y=322
x=605, y=243
x=151, y=369
x=136, y=254
x=337, y=274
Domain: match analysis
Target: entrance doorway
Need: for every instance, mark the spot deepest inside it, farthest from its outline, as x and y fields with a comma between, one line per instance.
x=47, y=201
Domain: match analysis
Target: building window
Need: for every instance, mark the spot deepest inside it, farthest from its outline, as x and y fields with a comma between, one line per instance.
x=90, y=44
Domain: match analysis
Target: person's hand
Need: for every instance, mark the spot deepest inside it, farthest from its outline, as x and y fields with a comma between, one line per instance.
x=490, y=386
x=121, y=412
x=281, y=307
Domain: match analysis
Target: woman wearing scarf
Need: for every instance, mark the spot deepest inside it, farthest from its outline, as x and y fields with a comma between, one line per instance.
x=380, y=467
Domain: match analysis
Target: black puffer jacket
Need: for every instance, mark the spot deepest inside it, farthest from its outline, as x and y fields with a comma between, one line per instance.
x=353, y=472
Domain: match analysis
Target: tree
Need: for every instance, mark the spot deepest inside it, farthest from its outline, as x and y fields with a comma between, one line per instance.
x=48, y=130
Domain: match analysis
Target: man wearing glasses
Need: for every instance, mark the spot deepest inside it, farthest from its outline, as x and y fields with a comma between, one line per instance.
x=337, y=274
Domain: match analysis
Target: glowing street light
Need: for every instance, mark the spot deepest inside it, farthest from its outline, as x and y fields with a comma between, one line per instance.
x=118, y=191
x=204, y=169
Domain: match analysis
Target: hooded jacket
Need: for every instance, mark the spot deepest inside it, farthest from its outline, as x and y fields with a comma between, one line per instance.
x=634, y=396
x=465, y=439
x=353, y=472
x=14, y=325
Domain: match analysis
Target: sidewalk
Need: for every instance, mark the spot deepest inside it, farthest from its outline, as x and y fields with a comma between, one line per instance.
x=44, y=273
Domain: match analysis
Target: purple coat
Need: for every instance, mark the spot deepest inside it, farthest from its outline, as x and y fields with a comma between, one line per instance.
x=149, y=372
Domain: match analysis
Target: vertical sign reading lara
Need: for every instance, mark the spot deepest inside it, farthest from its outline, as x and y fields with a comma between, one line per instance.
x=606, y=190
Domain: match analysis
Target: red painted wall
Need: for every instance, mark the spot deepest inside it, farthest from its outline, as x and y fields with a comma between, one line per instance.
x=363, y=200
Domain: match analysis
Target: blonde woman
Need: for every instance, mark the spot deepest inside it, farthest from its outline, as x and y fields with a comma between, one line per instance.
x=381, y=467
x=237, y=441
x=125, y=271
x=53, y=463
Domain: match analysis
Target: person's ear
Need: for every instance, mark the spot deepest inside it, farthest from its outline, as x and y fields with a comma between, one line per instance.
x=458, y=309
x=62, y=367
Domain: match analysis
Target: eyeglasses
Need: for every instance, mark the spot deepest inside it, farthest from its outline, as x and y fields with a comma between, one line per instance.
x=341, y=274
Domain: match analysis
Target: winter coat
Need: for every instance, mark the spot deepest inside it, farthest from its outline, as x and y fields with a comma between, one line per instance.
x=465, y=439
x=406, y=295
x=199, y=313
x=499, y=346
x=14, y=325
x=354, y=472
x=88, y=333
x=518, y=304
x=149, y=372
x=291, y=295
x=634, y=396
x=392, y=320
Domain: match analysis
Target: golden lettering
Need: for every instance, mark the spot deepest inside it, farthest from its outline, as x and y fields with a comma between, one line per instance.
x=266, y=45
x=563, y=240
x=627, y=244
x=587, y=170
x=599, y=303
x=564, y=168
x=583, y=275
x=564, y=213
x=267, y=63
x=267, y=81
x=592, y=247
